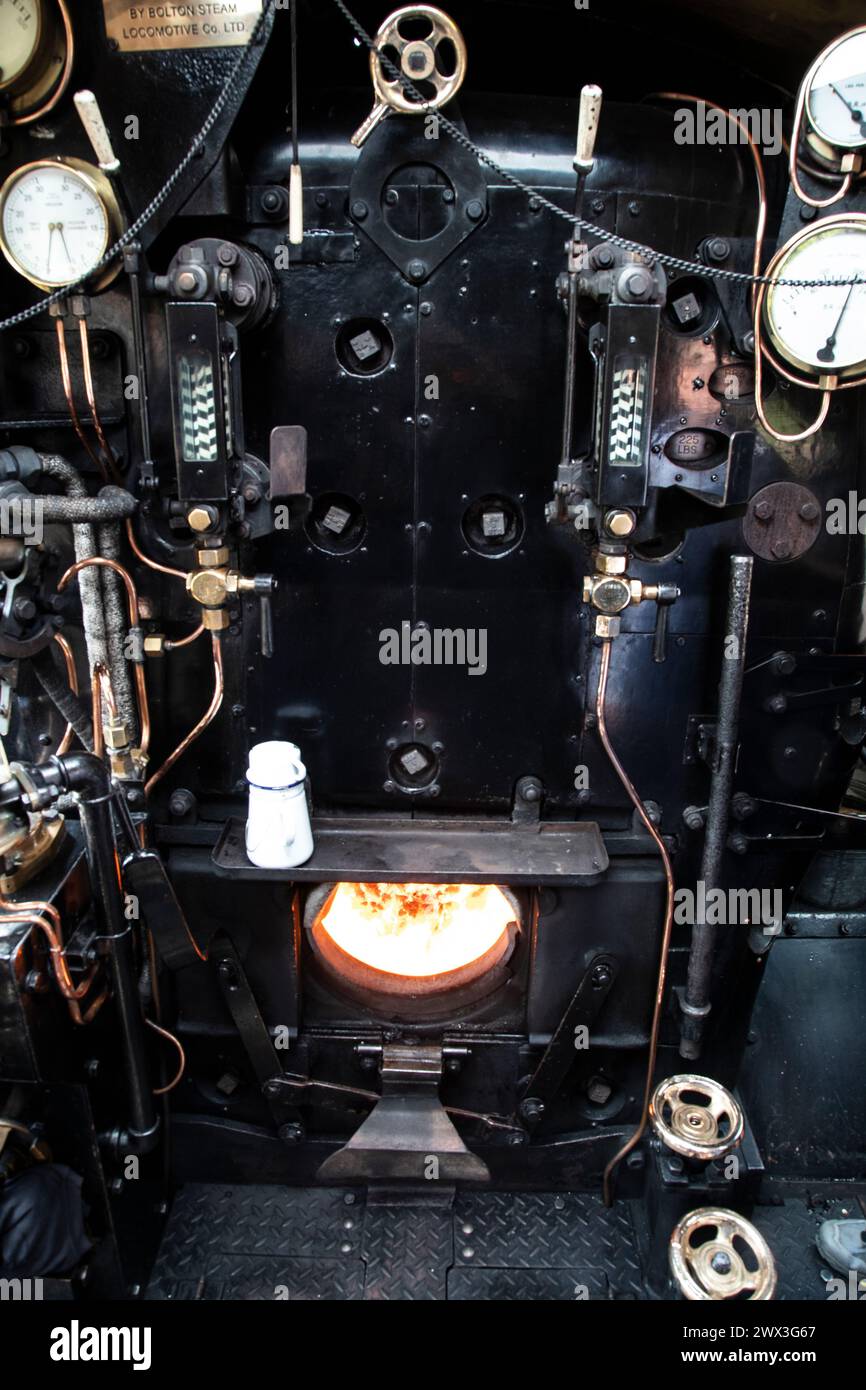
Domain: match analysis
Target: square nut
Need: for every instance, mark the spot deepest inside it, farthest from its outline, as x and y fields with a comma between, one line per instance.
x=607, y=625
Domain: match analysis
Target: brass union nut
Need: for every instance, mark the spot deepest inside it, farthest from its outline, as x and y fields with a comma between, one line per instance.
x=212, y=559
x=610, y=564
x=214, y=619
x=154, y=644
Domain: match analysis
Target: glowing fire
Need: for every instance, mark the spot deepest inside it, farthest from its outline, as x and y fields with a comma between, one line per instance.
x=417, y=929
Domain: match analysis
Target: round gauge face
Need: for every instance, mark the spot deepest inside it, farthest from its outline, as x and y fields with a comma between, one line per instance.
x=836, y=101
x=20, y=31
x=54, y=225
x=823, y=329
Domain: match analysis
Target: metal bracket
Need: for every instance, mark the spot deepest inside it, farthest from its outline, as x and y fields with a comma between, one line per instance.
x=399, y=142
x=256, y=1039
x=559, y=1054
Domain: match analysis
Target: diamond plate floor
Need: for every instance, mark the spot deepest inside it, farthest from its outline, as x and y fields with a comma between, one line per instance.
x=225, y=1242
x=256, y=1242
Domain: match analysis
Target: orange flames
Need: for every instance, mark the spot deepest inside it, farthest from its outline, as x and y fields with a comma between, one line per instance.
x=416, y=929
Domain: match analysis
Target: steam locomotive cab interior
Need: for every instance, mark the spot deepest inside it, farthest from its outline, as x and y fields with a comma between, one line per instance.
x=432, y=650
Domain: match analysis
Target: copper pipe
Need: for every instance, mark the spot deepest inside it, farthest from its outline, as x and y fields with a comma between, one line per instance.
x=164, y=1033
x=185, y=641
x=107, y=452
x=761, y=223
x=31, y=913
x=621, y=773
x=132, y=606
x=801, y=193
x=101, y=692
x=145, y=559
x=761, y=350
x=57, y=92
x=72, y=676
x=66, y=376
x=207, y=718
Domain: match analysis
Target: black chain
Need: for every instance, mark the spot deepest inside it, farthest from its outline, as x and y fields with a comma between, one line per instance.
x=636, y=247
x=237, y=73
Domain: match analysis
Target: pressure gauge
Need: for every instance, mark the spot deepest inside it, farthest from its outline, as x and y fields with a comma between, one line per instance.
x=36, y=53
x=836, y=92
x=21, y=31
x=821, y=330
x=57, y=219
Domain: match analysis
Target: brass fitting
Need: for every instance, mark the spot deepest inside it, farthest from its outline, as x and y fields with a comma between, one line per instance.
x=202, y=517
x=154, y=644
x=610, y=591
x=214, y=619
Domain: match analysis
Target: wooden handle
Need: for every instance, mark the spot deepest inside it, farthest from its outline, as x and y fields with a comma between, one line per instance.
x=296, y=205
x=587, y=128
x=97, y=131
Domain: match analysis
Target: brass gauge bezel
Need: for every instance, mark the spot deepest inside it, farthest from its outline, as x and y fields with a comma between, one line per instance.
x=36, y=90
x=818, y=138
x=849, y=376
x=99, y=186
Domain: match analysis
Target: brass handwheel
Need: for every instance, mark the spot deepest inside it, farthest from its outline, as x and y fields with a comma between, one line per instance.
x=696, y=1117
x=732, y=1257
x=417, y=59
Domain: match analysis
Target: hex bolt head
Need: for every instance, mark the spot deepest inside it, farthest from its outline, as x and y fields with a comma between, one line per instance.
x=227, y=254
x=416, y=270
x=718, y=249
x=810, y=511
x=764, y=510
x=359, y=210
x=475, y=209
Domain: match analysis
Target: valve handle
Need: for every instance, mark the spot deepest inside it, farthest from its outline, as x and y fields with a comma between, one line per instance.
x=587, y=128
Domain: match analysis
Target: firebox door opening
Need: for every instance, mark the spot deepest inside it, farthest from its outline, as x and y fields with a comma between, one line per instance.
x=413, y=949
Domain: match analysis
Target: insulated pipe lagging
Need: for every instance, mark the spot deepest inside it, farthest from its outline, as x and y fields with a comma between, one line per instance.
x=84, y=541
x=66, y=701
x=117, y=629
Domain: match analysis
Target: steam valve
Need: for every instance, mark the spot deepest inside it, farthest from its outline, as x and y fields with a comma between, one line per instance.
x=213, y=583
x=610, y=591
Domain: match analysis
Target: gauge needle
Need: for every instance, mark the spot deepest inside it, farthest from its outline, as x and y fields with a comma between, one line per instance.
x=827, y=352
x=63, y=239
x=856, y=114
x=51, y=230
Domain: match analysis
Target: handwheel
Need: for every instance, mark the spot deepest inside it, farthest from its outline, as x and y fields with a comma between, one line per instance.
x=732, y=1257
x=418, y=60
x=696, y=1117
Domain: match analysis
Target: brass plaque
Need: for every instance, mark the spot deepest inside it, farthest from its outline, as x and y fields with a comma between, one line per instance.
x=164, y=24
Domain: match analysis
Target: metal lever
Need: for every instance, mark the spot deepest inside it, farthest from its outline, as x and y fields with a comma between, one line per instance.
x=587, y=128
x=96, y=130
x=265, y=586
x=667, y=594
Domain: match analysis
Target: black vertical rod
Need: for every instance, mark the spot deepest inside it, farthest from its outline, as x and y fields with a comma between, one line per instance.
x=695, y=1003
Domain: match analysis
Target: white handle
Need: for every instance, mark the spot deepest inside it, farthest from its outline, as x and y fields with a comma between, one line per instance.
x=587, y=128
x=296, y=205
x=97, y=131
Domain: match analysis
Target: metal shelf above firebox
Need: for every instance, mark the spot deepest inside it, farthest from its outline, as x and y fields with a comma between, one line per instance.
x=431, y=851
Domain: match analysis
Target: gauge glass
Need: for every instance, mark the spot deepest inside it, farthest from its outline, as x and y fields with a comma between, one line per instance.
x=836, y=100
x=822, y=330
x=20, y=31
x=55, y=226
